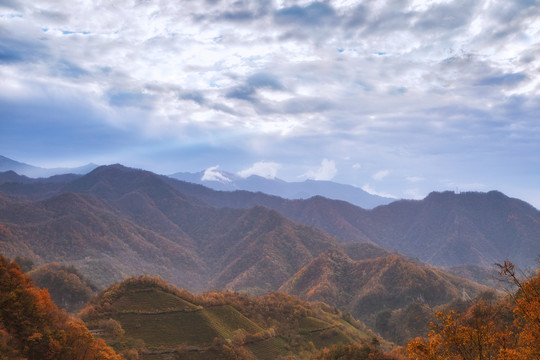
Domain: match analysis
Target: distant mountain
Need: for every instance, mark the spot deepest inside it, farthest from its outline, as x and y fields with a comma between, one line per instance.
x=226, y=181
x=392, y=294
x=11, y=176
x=370, y=285
x=20, y=168
x=450, y=229
x=117, y=221
x=444, y=229
x=485, y=275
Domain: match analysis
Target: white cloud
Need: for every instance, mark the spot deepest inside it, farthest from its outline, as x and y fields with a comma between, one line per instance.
x=262, y=168
x=357, y=166
x=461, y=186
x=326, y=171
x=369, y=189
x=213, y=174
x=415, y=194
x=379, y=175
x=414, y=179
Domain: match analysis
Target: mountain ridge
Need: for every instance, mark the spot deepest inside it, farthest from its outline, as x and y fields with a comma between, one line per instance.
x=444, y=229
x=140, y=207
x=7, y=164
x=226, y=181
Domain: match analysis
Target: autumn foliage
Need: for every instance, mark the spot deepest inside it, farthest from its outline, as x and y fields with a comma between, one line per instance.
x=32, y=326
x=508, y=329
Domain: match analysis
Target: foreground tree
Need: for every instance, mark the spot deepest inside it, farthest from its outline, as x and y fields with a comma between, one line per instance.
x=505, y=330
x=32, y=326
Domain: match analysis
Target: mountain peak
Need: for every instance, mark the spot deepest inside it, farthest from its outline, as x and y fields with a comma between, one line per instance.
x=225, y=181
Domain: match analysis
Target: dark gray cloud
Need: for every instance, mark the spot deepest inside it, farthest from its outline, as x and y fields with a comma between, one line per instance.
x=56, y=17
x=13, y=50
x=130, y=99
x=302, y=105
x=506, y=80
x=247, y=90
x=242, y=92
x=357, y=17
x=447, y=16
x=11, y=4
x=265, y=80
x=315, y=14
x=196, y=96
x=237, y=11
x=242, y=15
x=65, y=68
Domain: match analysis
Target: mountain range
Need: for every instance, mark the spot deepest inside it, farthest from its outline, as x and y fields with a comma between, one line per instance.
x=116, y=222
x=20, y=168
x=217, y=180
x=226, y=181
x=444, y=229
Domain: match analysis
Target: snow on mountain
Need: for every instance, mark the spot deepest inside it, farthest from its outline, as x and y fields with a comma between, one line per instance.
x=225, y=181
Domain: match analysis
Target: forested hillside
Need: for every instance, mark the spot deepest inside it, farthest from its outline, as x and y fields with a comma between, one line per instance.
x=32, y=327
x=155, y=318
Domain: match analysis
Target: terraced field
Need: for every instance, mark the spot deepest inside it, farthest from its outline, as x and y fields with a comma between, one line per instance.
x=166, y=323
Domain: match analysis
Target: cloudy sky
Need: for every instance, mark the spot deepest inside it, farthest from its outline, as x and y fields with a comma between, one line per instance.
x=397, y=97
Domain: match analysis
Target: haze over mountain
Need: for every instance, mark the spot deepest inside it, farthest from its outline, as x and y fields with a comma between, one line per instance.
x=20, y=168
x=214, y=179
x=226, y=181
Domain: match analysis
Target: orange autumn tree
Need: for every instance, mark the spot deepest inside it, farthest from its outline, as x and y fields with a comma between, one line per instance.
x=32, y=326
x=506, y=330
x=526, y=312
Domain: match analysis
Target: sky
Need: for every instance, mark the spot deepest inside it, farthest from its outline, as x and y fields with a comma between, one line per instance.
x=400, y=98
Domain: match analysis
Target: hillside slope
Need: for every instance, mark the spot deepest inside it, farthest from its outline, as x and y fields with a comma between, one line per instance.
x=85, y=232
x=126, y=222
x=367, y=286
x=32, y=327
x=391, y=294
x=212, y=325
x=444, y=229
